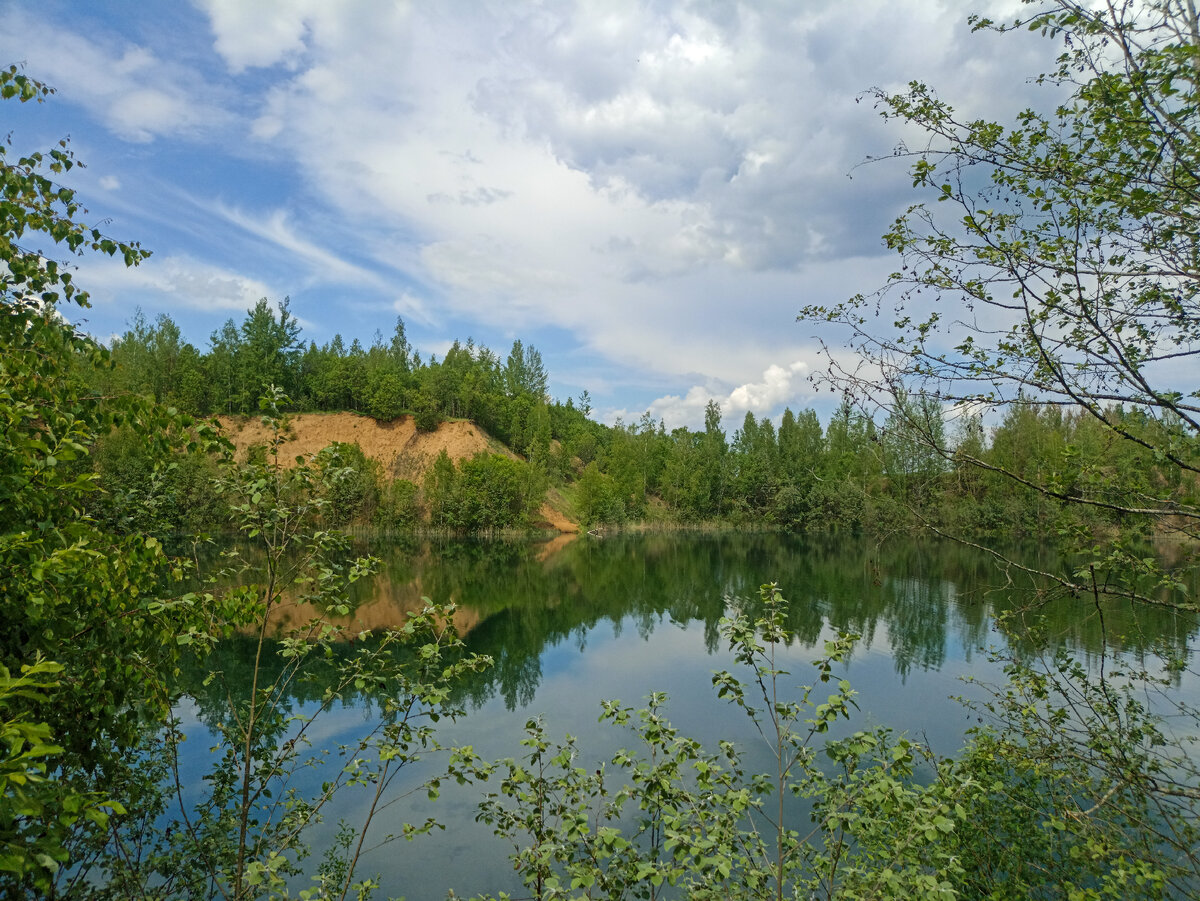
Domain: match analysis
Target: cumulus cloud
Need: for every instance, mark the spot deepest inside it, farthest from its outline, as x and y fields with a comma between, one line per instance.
x=577, y=169
x=779, y=386
x=262, y=33
x=659, y=186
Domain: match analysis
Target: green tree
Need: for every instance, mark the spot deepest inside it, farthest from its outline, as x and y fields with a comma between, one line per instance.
x=756, y=464
x=681, y=484
x=516, y=372
x=801, y=447
x=1072, y=235
x=400, y=349
x=89, y=635
x=713, y=463
x=268, y=352
x=598, y=499
x=440, y=492
x=914, y=446
x=225, y=345
x=1058, y=268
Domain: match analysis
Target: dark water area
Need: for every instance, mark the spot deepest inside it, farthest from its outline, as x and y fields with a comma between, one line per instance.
x=570, y=623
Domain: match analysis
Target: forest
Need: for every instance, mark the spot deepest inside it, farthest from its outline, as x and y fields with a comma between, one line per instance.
x=924, y=465
x=1073, y=422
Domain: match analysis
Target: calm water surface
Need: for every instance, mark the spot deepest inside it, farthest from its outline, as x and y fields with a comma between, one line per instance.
x=572, y=622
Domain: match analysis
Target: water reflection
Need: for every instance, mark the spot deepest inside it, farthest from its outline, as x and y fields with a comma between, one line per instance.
x=570, y=622
x=921, y=603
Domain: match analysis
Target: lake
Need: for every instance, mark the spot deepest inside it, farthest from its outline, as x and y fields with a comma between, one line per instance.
x=572, y=622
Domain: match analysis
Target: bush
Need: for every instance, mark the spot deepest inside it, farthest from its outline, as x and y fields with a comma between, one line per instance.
x=148, y=489
x=836, y=507
x=352, y=481
x=485, y=493
x=597, y=500
x=425, y=412
x=790, y=507
x=399, y=507
x=387, y=399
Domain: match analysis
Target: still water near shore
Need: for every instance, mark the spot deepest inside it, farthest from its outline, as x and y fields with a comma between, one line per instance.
x=573, y=622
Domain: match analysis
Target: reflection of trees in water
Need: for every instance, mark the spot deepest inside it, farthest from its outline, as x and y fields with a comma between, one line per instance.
x=220, y=683
x=926, y=597
x=916, y=617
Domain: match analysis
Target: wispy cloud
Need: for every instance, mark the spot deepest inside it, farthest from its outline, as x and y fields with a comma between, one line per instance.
x=166, y=282
x=277, y=229
x=134, y=92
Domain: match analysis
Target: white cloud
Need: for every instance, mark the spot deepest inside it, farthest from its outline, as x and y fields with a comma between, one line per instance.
x=780, y=386
x=774, y=389
x=277, y=229
x=430, y=349
x=414, y=308
x=553, y=166
x=261, y=33
x=110, y=182
x=661, y=185
x=172, y=281
x=137, y=95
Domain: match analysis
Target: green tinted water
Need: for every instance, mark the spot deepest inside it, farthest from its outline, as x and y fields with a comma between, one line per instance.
x=572, y=622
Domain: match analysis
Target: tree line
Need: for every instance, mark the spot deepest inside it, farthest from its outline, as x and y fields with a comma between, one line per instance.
x=923, y=464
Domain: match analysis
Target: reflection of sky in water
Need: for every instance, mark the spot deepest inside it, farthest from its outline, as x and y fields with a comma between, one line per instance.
x=923, y=637
x=614, y=662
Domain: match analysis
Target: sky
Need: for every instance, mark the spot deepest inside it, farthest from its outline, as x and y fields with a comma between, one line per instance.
x=646, y=192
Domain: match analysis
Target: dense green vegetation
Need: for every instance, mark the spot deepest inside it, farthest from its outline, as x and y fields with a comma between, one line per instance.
x=921, y=464
x=1085, y=230
x=99, y=620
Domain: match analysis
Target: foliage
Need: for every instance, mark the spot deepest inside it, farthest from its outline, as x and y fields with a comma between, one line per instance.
x=154, y=490
x=1083, y=781
x=244, y=834
x=673, y=814
x=96, y=622
x=901, y=474
x=399, y=507
x=597, y=499
x=1057, y=271
x=1018, y=814
x=1052, y=282
x=487, y=492
x=37, y=814
x=96, y=607
x=351, y=483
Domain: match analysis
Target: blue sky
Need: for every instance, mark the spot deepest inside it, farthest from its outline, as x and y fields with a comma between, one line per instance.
x=647, y=192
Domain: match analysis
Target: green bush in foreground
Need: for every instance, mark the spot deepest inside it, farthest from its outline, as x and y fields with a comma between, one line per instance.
x=868, y=814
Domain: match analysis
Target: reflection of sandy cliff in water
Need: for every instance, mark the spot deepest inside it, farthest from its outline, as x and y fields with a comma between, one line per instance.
x=548, y=549
x=393, y=601
x=392, y=605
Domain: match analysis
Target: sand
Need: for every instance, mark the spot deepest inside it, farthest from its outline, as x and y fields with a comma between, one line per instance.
x=402, y=451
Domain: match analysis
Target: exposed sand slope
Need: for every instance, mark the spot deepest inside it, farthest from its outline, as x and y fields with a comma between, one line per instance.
x=403, y=452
